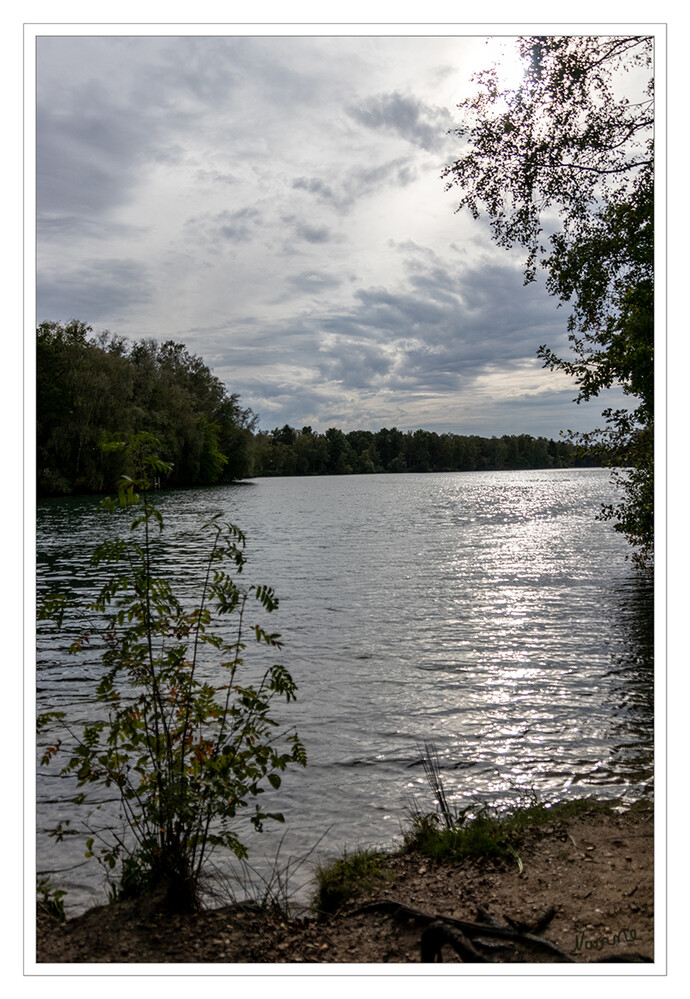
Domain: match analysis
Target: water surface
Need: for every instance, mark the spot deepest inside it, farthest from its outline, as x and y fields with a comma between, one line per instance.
x=487, y=612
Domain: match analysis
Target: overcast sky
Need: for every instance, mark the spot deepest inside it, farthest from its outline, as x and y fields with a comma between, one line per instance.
x=276, y=204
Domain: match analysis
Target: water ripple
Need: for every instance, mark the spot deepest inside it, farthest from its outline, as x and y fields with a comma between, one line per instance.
x=489, y=613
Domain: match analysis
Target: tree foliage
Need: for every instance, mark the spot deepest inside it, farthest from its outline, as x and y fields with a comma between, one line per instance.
x=89, y=387
x=563, y=166
x=186, y=740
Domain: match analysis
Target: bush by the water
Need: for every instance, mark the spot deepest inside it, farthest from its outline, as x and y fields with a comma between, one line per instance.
x=187, y=742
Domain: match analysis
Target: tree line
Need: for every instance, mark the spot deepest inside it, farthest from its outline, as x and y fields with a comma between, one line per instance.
x=95, y=388
x=287, y=451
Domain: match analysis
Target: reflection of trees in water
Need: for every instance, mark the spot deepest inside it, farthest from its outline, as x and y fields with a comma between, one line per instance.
x=631, y=677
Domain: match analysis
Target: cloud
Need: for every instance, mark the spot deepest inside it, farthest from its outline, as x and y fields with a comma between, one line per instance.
x=407, y=116
x=319, y=188
x=90, y=146
x=359, y=182
x=96, y=292
x=238, y=226
x=215, y=177
x=276, y=204
x=70, y=227
x=354, y=364
x=313, y=282
x=313, y=233
x=430, y=339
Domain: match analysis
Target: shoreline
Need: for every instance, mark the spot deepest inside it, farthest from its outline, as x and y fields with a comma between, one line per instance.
x=594, y=870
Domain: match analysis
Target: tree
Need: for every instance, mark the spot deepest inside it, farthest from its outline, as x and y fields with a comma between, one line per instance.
x=81, y=387
x=341, y=457
x=563, y=165
x=89, y=387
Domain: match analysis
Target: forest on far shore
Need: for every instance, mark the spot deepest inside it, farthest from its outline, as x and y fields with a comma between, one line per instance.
x=92, y=388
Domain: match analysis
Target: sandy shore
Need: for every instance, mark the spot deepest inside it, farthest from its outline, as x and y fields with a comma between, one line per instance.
x=595, y=871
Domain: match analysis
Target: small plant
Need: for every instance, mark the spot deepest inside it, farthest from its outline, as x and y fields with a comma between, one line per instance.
x=484, y=836
x=49, y=900
x=432, y=772
x=349, y=877
x=271, y=889
x=188, y=742
x=479, y=831
x=474, y=831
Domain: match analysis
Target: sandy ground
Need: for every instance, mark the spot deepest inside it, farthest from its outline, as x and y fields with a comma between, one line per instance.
x=595, y=871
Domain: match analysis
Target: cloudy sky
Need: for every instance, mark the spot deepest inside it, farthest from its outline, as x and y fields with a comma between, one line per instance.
x=276, y=204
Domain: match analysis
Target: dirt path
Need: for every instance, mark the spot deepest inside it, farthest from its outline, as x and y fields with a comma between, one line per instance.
x=596, y=871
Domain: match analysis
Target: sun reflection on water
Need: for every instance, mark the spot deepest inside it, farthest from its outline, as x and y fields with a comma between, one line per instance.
x=488, y=613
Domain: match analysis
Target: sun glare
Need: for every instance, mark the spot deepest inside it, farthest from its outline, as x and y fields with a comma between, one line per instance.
x=511, y=69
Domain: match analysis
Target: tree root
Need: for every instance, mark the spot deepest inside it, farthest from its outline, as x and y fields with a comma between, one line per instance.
x=439, y=933
x=458, y=933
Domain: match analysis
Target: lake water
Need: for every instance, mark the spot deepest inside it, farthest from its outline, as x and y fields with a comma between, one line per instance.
x=488, y=613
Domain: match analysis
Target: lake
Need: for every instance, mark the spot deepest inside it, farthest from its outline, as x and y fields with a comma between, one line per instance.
x=488, y=613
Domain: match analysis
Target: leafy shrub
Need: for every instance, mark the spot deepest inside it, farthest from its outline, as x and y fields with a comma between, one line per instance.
x=188, y=742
